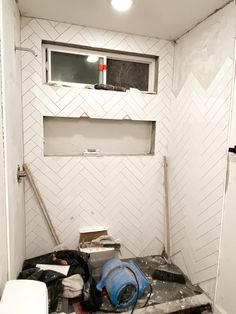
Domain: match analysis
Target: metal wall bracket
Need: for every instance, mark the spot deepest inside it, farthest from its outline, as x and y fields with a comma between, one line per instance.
x=20, y=174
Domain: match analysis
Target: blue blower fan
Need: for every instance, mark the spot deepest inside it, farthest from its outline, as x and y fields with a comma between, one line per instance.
x=124, y=282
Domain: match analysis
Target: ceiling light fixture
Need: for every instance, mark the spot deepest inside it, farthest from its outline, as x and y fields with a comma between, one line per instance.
x=121, y=5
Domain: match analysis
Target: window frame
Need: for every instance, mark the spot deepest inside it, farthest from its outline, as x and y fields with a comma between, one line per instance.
x=100, y=53
x=51, y=48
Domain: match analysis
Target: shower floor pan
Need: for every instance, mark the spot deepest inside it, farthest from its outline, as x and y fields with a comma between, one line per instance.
x=167, y=297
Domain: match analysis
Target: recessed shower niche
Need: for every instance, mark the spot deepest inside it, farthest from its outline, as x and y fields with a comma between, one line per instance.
x=94, y=137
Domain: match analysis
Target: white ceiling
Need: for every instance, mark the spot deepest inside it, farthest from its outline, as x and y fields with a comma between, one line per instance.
x=168, y=19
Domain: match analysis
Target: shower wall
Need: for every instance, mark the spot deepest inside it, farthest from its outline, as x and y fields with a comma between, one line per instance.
x=203, y=82
x=122, y=193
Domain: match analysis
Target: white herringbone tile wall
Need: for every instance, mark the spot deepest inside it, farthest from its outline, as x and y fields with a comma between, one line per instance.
x=198, y=170
x=124, y=194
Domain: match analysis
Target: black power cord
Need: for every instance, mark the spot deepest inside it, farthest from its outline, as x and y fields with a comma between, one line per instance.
x=149, y=296
x=136, y=279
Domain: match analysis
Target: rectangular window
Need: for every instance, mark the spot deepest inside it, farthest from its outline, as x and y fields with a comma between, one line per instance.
x=92, y=137
x=85, y=66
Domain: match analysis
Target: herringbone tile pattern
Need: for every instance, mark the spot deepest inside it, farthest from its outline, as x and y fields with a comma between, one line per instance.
x=124, y=194
x=198, y=168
